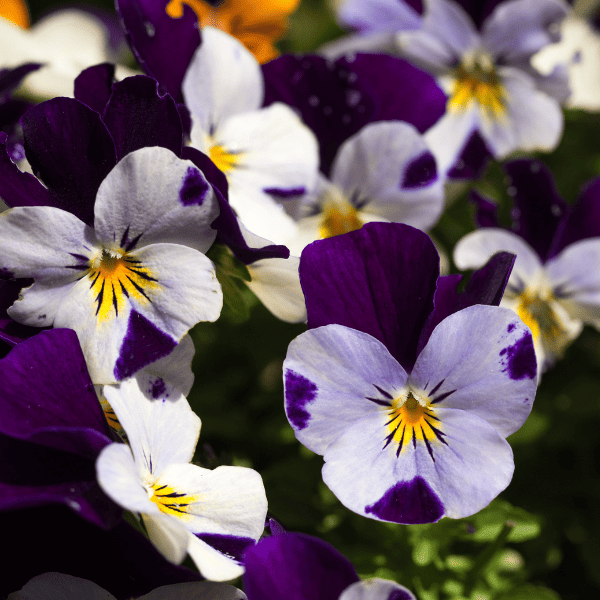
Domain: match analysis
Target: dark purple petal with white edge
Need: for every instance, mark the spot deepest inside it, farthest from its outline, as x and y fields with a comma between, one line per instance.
x=12, y=332
x=582, y=221
x=48, y=396
x=138, y=116
x=143, y=344
x=420, y=172
x=296, y=567
x=153, y=35
x=120, y=559
x=230, y=545
x=48, y=476
x=400, y=90
x=93, y=86
x=486, y=211
x=409, y=502
x=380, y=280
x=71, y=151
x=331, y=99
x=11, y=78
x=485, y=286
x=473, y=159
x=538, y=207
x=226, y=223
x=18, y=188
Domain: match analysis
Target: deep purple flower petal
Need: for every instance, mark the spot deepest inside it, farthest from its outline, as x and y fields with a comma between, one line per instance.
x=48, y=398
x=486, y=286
x=296, y=567
x=226, y=223
x=11, y=78
x=18, y=188
x=472, y=160
x=163, y=46
x=331, y=99
x=380, y=280
x=538, y=207
x=93, y=86
x=71, y=151
x=486, y=211
x=120, y=560
x=479, y=10
x=137, y=117
x=583, y=220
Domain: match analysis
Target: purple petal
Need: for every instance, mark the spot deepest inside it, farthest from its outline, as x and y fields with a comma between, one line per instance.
x=420, y=172
x=137, y=116
x=296, y=567
x=538, y=207
x=331, y=99
x=230, y=545
x=486, y=286
x=519, y=359
x=71, y=151
x=11, y=78
x=401, y=91
x=120, y=560
x=486, y=211
x=583, y=221
x=48, y=397
x=479, y=10
x=380, y=280
x=18, y=188
x=153, y=36
x=473, y=159
x=12, y=332
x=93, y=86
x=226, y=223
x=409, y=502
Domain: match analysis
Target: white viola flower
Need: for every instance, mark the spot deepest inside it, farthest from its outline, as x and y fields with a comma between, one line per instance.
x=132, y=286
x=261, y=151
x=491, y=86
x=383, y=173
x=65, y=42
x=554, y=298
x=185, y=508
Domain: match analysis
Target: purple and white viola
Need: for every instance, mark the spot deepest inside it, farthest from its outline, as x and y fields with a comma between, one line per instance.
x=555, y=285
x=407, y=388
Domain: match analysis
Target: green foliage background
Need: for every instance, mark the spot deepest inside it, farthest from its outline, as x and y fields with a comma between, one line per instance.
x=542, y=534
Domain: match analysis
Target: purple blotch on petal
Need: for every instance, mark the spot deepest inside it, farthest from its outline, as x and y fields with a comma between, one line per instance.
x=158, y=388
x=519, y=359
x=420, y=172
x=144, y=343
x=230, y=545
x=299, y=391
x=511, y=327
x=409, y=502
x=194, y=188
x=6, y=273
x=285, y=193
x=399, y=595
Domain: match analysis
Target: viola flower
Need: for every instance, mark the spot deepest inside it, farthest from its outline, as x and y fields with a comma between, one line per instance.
x=133, y=285
x=68, y=587
x=407, y=389
x=212, y=515
x=278, y=567
x=554, y=287
x=256, y=25
x=262, y=152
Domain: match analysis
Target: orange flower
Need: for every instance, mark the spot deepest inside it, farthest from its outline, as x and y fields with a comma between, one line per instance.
x=15, y=11
x=257, y=24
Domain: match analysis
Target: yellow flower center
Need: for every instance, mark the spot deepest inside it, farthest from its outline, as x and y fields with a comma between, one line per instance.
x=412, y=420
x=171, y=500
x=223, y=159
x=476, y=81
x=338, y=216
x=116, y=275
x=537, y=313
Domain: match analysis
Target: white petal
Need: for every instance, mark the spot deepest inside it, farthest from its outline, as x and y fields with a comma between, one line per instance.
x=154, y=197
x=330, y=373
x=119, y=476
x=223, y=79
x=38, y=304
x=376, y=589
x=169, y=536
x=161, y=430
x=477, y=247
x=176, y=368
x=210, y=562
x=480, y=359
x=376, y=15
x=58, y=586
x=371, y=165
x=202, y=590
x=226, y=501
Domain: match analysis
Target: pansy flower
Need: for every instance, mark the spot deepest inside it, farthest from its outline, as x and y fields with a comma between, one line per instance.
x=407, y=388
x=555, y=284
x=211, y=515
x=132, y=285
x=302, y=567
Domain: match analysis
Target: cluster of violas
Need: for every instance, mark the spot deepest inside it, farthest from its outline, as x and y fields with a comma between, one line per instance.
x=316, y=178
